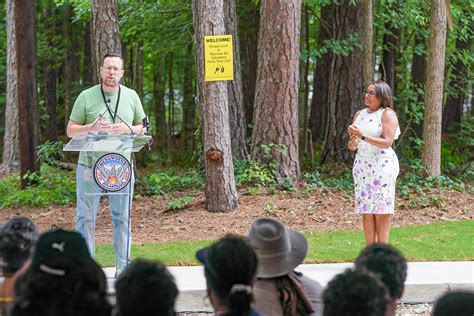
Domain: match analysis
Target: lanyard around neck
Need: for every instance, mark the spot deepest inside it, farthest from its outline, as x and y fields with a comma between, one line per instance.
x=114, y=115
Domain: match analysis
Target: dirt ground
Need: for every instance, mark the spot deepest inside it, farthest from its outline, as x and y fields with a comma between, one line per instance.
x=321, y=210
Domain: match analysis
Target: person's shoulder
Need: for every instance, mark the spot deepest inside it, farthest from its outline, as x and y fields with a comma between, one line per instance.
x=128, y=90
x=388, y=113
x=90, y=90
x=310, y=283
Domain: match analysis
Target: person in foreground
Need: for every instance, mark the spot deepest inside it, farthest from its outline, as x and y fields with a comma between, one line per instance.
x=459, y=303
x=230, y=266
x=390, y=265
x=17, y=241
x=62, y=279
x=376, y=167
x=112, y=109
x=279, y=290
x=355, y=293
x=145, y=288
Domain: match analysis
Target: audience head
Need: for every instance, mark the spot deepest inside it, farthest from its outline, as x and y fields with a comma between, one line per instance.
x=355, y=292
x=17, y=240
x=62, y=279
x=459, y=303
x=388, y=263
x=279, y=250
x=145, y=288
x=230, y=267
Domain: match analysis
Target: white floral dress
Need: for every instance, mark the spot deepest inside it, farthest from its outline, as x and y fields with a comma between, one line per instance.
x=375, y=169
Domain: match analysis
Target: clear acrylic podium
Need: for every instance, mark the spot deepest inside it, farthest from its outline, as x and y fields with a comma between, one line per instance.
x=107, y=161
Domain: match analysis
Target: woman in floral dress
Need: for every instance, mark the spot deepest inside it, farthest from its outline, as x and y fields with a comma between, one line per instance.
x=376, y=166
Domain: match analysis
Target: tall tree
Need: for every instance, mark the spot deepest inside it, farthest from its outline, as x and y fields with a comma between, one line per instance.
x=431, y=156
x=418, y=70
x=238, y=126
x=459, y=84
x=304, y=73
x=105, y=24
x=391, y=41
x=71, y=64
x=50, y=71
x=276, y=96
x=189, y=106
x=318, y=113
x=159, y=104
x=11, y=148
x=368, y=40
x=248, y=35
x=26, y=87
x=221, y=194
x=345, y=80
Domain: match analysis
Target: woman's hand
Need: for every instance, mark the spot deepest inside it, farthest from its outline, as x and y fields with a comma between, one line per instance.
x=353, y=143
x=354, y=131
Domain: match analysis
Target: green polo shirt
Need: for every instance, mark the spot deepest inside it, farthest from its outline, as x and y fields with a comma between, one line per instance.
x=90, y=105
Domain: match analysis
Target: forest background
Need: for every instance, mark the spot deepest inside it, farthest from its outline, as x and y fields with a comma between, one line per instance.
x=160, y=44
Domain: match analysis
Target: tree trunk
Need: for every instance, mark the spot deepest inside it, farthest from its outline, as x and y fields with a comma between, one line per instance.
x=171, y=127
x=248, y=21
x=189, y=106
x=221, y=194
x=418, y=70
x=391, y=41
x=106, y=29
x=345, y=83
x=26, y=87
x=88, y=66
x=69, y=64
x=276, y=96
x=431, y=156
x=319, y=107
x=50, y=75
x=159, y=105
x=459, y=83
x=11, y=141
x=368, y=43
x=238, y=126
x=304, y=82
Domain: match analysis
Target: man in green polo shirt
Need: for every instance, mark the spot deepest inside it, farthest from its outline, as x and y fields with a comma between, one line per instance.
x=112, y=109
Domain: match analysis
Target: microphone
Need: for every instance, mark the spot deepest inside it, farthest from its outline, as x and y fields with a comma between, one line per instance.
x=146, y=125
x=109, y=108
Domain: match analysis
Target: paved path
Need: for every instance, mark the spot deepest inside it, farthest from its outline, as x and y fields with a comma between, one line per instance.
x=426, y=281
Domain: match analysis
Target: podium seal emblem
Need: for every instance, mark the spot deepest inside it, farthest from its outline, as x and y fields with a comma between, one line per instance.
x=112, y=172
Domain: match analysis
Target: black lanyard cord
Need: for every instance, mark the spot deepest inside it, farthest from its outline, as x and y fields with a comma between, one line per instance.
x=114, y=115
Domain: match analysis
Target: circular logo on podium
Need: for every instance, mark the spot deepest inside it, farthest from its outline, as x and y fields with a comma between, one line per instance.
x=112, y=172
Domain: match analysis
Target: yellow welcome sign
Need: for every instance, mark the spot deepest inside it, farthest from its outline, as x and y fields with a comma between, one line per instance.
x=218, y=58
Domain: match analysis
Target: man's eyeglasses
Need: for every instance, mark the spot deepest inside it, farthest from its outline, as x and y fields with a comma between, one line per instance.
x=370, y=92
x=110, y=68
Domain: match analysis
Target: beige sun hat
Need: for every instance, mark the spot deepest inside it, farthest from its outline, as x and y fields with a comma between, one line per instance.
x=279, y=250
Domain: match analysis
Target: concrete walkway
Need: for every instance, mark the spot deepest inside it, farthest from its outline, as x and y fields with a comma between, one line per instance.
x=426, y=281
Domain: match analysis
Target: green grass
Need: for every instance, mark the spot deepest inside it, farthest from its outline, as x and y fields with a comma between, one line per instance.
x=435, y=242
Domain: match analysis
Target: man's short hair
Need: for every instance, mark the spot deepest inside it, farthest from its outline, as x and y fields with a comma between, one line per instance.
x=112, y=55
x=355, y=292
x=388, y=263
x=17, y=241
x=145, y=288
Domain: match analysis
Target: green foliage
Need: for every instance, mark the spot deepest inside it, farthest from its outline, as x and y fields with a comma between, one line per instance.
x=52, y=186
x=169, y=180
x=179, y=203
x=250, y=172
x=50, y=153
x=342, y=47
x=270, y=209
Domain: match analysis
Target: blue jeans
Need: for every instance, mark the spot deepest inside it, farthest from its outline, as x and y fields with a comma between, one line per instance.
x=88, y=199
